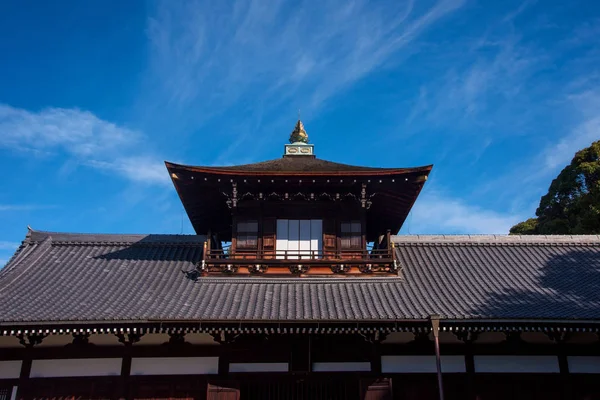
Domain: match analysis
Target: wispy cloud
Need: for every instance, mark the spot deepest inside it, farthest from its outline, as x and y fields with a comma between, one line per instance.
x=585, y=131
x=437, y=212
x=81, y=136
x=484, y=90
x=24, y=207
x=141, y=169
x=270, y=52
x=4, y=245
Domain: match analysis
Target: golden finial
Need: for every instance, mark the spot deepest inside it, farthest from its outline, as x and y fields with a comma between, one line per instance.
x=299, y=133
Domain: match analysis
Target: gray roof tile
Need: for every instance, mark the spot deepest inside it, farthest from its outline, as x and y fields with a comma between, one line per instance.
x=77, y=277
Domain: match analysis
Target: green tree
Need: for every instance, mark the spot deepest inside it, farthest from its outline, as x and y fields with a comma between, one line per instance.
x=572, y=204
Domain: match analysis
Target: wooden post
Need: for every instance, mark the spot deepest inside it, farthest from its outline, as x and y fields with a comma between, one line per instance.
x=125, y=389
x=435, y=325
x=24, y=374
x=388, y=240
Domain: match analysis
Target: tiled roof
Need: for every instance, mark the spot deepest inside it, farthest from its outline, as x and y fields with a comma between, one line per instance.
x=71, y=277
x=298, y=164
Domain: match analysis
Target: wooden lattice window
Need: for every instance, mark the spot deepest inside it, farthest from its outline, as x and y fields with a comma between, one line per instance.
x=247, y=234
x=351, y=235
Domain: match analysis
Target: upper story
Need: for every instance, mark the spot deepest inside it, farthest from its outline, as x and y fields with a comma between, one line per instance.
x=298, y=214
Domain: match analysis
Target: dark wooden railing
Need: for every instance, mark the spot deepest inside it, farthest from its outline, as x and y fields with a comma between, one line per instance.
x=299, y=262
x=295, y=255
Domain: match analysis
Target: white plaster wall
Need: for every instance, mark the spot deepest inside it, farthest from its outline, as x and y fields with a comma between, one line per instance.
x=490, y=337
x=10, y=369
x=153, y=339
x=584, y=364
x=9, y=341
x=174, y=365
x=341, y=366
x=76, y=367
x=536, y=337
x=56, y=341
x=517, y=364
x=200, y=338
x=258, y=367
x=101, y=339
x=422, y=364
x=449, y=337
x=399, y=337
x=582, y=338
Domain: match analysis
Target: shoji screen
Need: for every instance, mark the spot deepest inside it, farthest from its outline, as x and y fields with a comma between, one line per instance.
x=300, y=238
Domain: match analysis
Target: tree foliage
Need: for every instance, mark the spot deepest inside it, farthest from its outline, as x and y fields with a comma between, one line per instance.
x=572, y=204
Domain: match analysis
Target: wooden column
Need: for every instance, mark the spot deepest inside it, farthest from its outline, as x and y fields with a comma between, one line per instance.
x=468, y=339
x=376, y=353
x=128, y=340
x=125, y=389
x=24, y=375
x=300, y=353
x=560, y=339
x=29, y=341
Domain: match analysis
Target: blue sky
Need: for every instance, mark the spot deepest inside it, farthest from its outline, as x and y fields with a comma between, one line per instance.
x=94, y=96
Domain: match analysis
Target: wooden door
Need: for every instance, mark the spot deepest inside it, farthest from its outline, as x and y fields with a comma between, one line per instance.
x=268, y=237
x=329, y=238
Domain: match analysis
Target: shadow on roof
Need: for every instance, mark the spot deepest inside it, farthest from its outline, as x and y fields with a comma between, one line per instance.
x=568, y=285
x=159, y=248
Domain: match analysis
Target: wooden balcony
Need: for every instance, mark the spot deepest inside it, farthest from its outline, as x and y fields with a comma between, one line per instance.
x=299, y=262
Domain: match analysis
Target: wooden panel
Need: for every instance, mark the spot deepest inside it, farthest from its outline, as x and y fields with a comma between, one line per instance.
x=214, y=392
x=269, y=237
x=378, y=389
x=329, y=238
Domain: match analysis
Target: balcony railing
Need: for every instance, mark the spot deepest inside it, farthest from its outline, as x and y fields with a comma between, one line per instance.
x=294, y=255
x=299, y=261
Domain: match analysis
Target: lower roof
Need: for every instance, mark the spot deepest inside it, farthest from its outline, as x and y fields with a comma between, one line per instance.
x=58, y=277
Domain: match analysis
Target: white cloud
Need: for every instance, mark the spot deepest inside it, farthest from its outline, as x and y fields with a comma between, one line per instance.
x=81, y=136
x=483, y=87
x=138, y=169
x=585, y=131
x=215, y=55
x=77, y=132
x=437, y=213
x=23, y=207
x=4, y=245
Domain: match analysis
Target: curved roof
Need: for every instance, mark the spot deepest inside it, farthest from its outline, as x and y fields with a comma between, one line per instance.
x=297, y=165
x=109, y=278
x=202, y=189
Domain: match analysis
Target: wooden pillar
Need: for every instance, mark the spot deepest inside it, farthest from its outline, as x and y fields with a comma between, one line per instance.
x=125, y=384
x=23, y=388
x=300, y=353
x=125, y=387
x=376, y=355
x=469, y=353
x=29, y=341
x=563, y=365
x=470, y=370
x=435, y=325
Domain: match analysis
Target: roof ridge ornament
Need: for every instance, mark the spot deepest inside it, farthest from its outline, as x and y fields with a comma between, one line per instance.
x=299, y=145
x=299, y=134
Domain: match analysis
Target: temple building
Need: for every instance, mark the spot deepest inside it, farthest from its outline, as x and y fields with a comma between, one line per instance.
x=297, y=285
